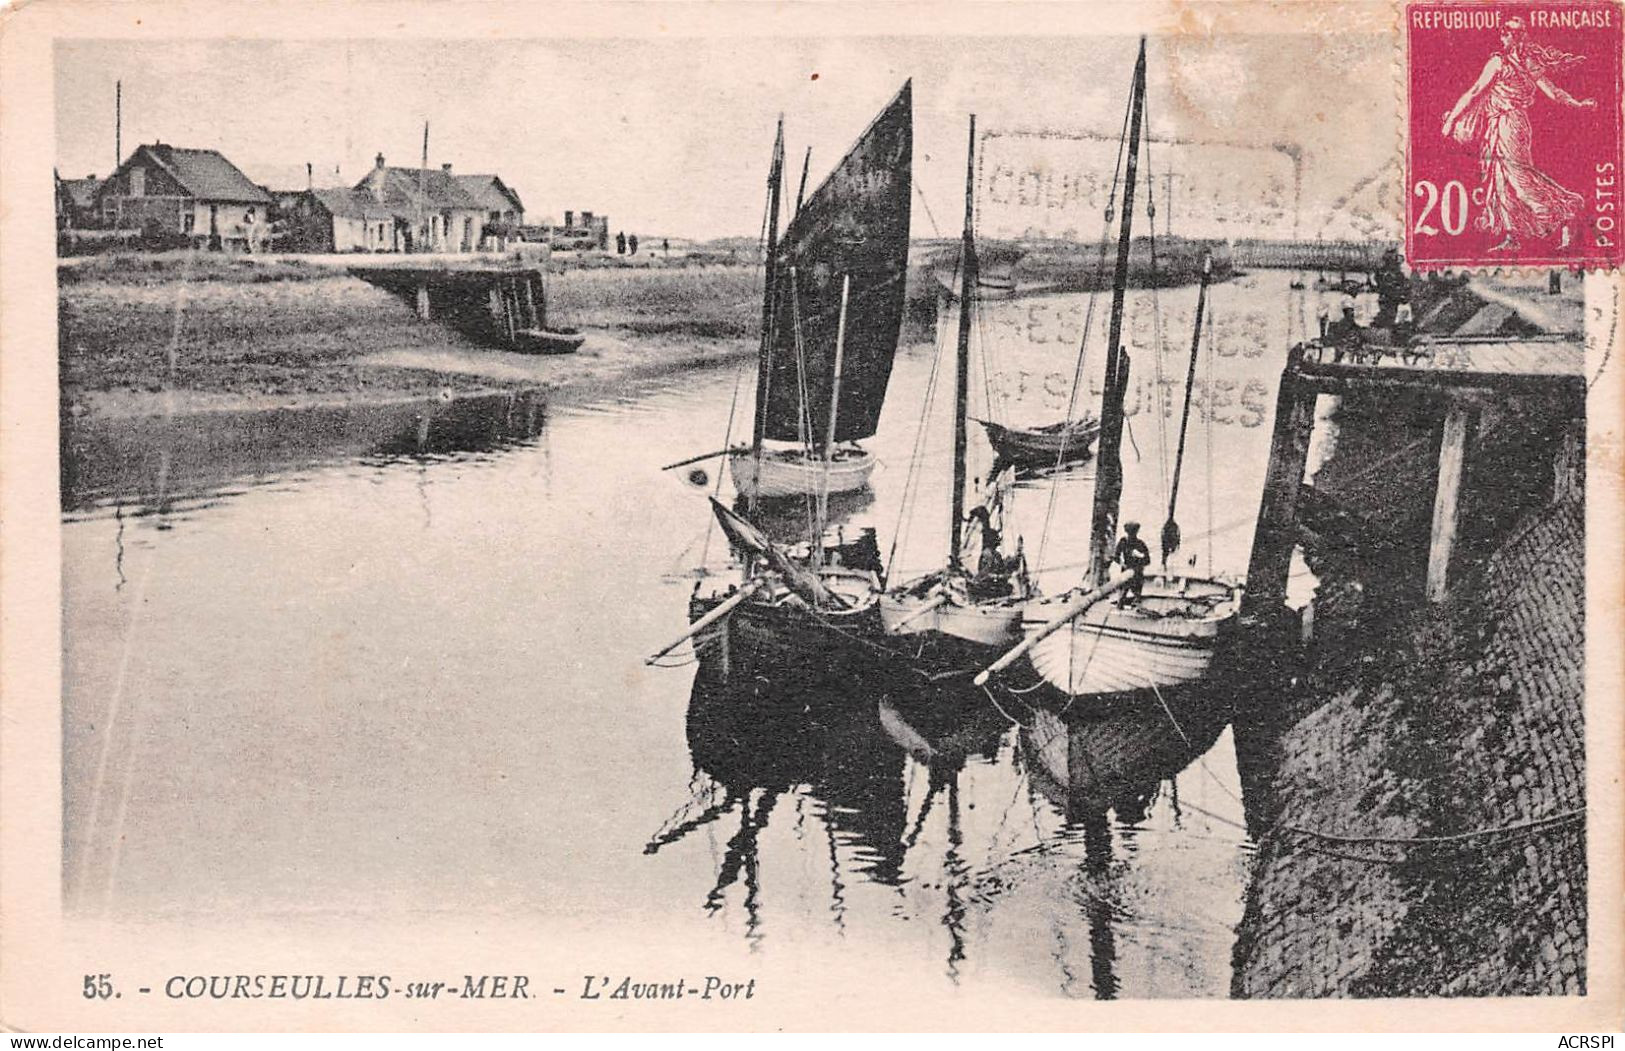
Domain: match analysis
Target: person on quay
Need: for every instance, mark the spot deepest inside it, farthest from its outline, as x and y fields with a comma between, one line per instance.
x=1393, y=289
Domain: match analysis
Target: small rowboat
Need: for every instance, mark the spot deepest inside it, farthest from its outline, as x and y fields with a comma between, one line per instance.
x=1064, y=442
x=795, y=472
x=547, y=340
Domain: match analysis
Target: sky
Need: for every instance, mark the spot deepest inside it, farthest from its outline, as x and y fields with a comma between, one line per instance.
x=673, y=136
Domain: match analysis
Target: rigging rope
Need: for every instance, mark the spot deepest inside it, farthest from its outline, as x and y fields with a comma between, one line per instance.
x=911, y=483
x=1207, y=417
x=758, y=290
x=1083, y=342
x=1157, y=342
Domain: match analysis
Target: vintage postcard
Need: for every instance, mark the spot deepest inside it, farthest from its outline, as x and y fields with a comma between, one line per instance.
x=731, y=516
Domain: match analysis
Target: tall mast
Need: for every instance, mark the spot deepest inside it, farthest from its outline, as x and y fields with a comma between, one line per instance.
x=1170, y=528
x=775, y=179
x=1109, y=461
x=801, y=191
x=967, y=291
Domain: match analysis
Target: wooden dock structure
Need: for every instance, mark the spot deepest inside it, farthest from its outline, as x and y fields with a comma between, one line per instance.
x=503, y=306
x=1455, y=377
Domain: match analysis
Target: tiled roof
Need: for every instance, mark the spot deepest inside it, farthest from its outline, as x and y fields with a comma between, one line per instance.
x=474, y=185
x=206, y=174
x=440, y=188
x=355, y=204
x=82, y=191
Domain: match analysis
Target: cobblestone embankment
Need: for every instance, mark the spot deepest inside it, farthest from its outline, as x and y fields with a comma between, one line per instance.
x=1430, y=839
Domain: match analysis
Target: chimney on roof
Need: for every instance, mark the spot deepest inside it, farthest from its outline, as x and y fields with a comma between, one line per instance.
x=569, y=219
x=446, y=168
x=376, y=178
x=310, y=176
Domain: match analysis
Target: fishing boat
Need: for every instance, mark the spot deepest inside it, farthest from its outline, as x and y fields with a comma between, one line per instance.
x=961, y=606
x=830, y=323
x=831, y=313
x=1094, y=641
x=808, y=610
x=1062, y=442
x=503, y=307
x=548, y=340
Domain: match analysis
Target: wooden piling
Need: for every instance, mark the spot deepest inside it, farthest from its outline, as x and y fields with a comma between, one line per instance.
x=1276, y=532
x=1447, y=498
x=531, y=320
x=423, y=301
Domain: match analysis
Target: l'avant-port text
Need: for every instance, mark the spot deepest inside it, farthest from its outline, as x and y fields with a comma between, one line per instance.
x=625, y=987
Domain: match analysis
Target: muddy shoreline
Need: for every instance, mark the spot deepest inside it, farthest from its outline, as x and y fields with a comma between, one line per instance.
x=187, y=334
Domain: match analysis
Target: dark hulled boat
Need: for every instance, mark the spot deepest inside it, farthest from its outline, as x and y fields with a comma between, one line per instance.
x=504, y=307
x=1063, y=442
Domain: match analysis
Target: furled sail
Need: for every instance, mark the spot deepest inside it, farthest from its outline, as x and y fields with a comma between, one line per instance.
x=855, y=225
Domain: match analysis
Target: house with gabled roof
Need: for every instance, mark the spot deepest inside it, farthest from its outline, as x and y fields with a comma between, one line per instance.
x=439, y=215
x=338, y=220
x=504, y=211
x=185, y=191
x=76, y=202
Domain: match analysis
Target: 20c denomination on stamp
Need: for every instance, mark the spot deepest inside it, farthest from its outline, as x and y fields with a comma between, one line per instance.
x=1513, y=134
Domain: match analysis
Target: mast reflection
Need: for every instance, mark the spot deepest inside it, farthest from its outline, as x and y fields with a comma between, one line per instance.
x=1106, y=771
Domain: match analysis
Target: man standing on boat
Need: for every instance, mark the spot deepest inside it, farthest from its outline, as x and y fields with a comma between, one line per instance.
x=1134, y=556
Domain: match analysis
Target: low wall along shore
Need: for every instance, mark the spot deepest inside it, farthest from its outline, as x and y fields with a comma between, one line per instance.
x=1428, y=833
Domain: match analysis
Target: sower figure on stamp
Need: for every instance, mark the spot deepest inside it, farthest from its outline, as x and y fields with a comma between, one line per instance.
x=1134, y=556
x=1519, y=199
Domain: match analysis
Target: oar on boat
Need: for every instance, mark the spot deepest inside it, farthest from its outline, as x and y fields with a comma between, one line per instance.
x=942, y=598
x=1074, y=609
x=725, y=607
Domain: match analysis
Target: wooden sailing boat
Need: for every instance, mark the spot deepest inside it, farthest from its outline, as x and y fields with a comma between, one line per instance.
x=832, y=310
x=1086, y=643
x=1048, y=445
x=980, y=606
x=830, y=324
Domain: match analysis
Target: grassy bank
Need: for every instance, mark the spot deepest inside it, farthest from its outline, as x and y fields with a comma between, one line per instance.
x=224, y=331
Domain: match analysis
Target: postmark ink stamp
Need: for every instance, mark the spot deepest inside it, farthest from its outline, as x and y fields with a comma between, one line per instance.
x=1513, y=135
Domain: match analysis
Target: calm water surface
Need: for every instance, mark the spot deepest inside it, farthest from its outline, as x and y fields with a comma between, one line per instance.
x=395, y=665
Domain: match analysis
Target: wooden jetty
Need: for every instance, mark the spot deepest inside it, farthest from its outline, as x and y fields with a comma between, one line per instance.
x=1456, y=377
x=499, y=306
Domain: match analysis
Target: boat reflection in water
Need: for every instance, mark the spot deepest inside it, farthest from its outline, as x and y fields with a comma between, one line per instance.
x=1017, y=846
x=1113, y=778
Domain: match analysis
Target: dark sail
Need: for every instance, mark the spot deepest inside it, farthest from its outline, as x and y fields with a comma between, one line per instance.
x=854, y=225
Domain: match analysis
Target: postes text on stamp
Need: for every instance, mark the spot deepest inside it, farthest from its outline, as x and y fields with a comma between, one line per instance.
x=1513, y=152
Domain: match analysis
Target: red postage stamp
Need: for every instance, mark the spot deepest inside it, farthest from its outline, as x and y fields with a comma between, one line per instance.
x=1513, y=153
